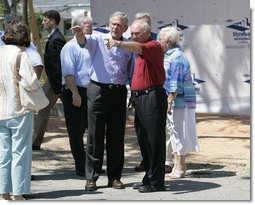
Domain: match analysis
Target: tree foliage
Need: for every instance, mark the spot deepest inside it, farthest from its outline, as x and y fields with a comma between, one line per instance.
x=2, y=9
x=10, y=6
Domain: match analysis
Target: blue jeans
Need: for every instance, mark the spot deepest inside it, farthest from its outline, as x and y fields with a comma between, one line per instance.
x=16, y=154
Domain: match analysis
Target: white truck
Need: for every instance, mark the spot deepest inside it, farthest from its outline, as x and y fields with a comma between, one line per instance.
x=215, y=37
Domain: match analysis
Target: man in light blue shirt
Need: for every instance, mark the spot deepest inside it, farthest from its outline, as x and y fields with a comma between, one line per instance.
x=75, y=65
x=111, y=71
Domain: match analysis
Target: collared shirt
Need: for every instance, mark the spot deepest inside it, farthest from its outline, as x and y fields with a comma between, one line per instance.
x=178, y=78
x=75, y=61
x=32, y=53
x=149, y=68
x=52, y=32
x=109, y=66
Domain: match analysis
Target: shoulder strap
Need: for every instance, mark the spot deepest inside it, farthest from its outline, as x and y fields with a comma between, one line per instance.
x=18, y=59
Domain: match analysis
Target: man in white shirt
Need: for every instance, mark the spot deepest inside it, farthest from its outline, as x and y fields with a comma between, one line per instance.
x=31, y=51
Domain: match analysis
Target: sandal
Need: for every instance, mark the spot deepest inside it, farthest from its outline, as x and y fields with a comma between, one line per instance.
x=5, y=197
x=171, y=173
x=177, y=174
x=18, y=197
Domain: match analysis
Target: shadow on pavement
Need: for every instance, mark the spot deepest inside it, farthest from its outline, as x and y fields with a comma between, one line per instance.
x=60, y=194
x=188, y=186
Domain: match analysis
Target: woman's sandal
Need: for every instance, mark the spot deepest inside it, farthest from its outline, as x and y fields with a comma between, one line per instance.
x=171, y=173
x=177, y=174
x=18, y=198
x=5, y=197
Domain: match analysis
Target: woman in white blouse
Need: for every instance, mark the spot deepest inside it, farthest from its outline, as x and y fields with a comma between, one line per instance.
x=16, y=123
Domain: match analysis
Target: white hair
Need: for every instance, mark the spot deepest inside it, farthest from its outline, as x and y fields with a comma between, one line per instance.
x=142, y=15
x=145, y=26
x=80, y=20
x=171, y=35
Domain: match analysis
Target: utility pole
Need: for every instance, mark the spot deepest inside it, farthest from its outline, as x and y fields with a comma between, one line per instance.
x=24, y=8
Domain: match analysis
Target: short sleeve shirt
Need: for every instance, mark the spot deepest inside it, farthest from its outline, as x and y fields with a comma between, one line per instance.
x=32, y=53
x=75, y=61
x=149, y=67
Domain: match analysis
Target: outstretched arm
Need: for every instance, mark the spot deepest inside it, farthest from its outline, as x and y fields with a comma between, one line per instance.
x=131, y=46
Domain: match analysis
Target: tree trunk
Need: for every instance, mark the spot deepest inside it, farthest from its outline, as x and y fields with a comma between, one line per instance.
x=25, y=14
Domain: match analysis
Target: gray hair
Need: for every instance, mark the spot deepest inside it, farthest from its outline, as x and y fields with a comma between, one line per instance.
x=171, y=35
x=80, y=20
x=141, y=15
x=120, y=14
x=145, y=26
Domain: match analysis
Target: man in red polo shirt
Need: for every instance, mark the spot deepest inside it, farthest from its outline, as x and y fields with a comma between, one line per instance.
x=150, y=103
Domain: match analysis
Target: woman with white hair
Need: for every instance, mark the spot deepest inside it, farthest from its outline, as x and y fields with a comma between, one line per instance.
x=181, y=122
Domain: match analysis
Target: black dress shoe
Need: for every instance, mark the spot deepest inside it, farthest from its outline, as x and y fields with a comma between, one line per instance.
x=145, y=189
x=158, y=188
x=81, y=174
x=168, y=169
x=90, y=185
x=137, y=185
x=150, y=188
x=36, y=147
x=116, y=184
x=102, y=171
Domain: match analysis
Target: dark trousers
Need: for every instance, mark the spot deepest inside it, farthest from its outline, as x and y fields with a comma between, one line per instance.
x=106, y=119
x=150, y=122
x=76, y=124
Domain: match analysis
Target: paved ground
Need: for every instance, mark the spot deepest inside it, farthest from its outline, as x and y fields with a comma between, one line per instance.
x=220, y=171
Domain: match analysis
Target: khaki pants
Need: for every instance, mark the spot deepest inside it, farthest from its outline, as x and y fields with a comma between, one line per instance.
x=42, y=119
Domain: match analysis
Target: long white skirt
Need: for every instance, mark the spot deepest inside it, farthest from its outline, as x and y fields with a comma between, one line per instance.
x=181, y=126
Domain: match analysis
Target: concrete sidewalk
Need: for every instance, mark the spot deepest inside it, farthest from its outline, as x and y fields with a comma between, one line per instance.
x=206, y=179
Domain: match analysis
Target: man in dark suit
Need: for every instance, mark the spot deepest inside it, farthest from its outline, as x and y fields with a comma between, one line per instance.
x=53, y=85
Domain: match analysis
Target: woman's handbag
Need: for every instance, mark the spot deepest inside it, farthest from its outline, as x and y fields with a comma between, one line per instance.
x=33, y=100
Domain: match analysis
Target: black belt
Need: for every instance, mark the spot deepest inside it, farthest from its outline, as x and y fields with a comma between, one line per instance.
x=146, y=91
x=109, y=86
x=67, y=88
